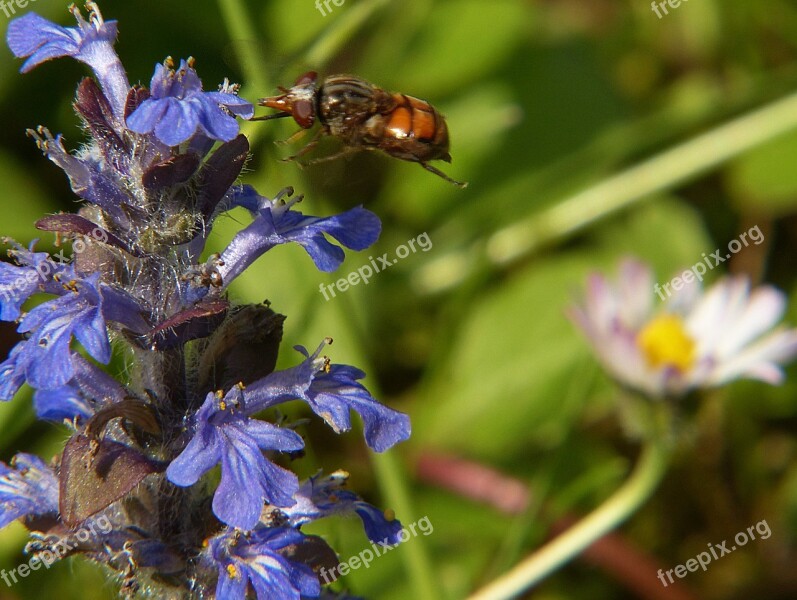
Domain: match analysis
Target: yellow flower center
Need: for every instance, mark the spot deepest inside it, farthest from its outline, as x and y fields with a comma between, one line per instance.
x=665, y=343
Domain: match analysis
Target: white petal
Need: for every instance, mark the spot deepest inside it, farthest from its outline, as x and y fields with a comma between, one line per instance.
x=716, y=311
x=759, y=360
x=635, y=287
x=601, y=305
x=764, y=309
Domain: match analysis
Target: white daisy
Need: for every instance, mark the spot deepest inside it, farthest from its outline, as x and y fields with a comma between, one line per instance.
x=695, y=339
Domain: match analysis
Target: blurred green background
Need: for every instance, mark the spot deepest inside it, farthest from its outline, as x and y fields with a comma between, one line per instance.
x=546, y=100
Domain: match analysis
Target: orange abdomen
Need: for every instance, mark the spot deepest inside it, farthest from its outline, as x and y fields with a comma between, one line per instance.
x=415, y=119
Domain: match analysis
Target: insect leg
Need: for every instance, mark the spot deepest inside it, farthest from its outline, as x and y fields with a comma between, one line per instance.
x=439, y=173
x=294, y=137
x=310, y=145
x=344, y=152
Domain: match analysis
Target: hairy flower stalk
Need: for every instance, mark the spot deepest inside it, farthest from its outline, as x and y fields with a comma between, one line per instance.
x=160, y=166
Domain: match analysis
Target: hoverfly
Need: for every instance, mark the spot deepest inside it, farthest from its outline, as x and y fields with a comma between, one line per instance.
x=362, y=115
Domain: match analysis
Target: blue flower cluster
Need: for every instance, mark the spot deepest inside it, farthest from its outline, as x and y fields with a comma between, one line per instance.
x=160, y=166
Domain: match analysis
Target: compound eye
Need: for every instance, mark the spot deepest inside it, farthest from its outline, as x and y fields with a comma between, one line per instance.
x=309, y=77
x=304, y=113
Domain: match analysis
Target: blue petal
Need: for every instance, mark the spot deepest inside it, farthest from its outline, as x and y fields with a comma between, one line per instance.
x=78, y=313
x=15, y=288
x=122, y=308
x=377, y=527
x=247, y=197
x=248, y=480
x=231, y=588
x=357, y=228
x=18, y=283
x=148, y=114
x=201, y=454
x=333, y=393
x=179, y=122
x=326, y=256
x=48, y=362
x=278, y=224
x=320, y=497
x=61, y=403
x=267, y=435
x=91, y=42
x=96, y=383
x=91, y=332
x=257, y=559
x=31, y=33
x=178, y=108
x=216, y=124
x=90, y=388
x=276, y=584
x=89, y=179
x=12, y=372
x=27, y=488
x=236, y=105
x=162, y=82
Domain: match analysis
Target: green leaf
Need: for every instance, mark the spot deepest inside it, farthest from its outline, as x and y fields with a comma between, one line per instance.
x=765, y=179
x=25, y=201
x=667, y=233
x=456, y=42
x=514, y=360
x=519, y=370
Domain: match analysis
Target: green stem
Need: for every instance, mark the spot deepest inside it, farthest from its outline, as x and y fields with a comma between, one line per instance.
x=572, y=214
x=659, y=173
x=616, y=509
x=341, y=31
x=392, y=478
x=239, y=23
x=392, y=484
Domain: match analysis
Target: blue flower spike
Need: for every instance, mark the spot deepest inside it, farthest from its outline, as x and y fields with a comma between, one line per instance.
x=174, y=427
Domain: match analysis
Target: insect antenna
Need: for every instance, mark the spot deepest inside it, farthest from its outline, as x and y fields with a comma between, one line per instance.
x=281, y=115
